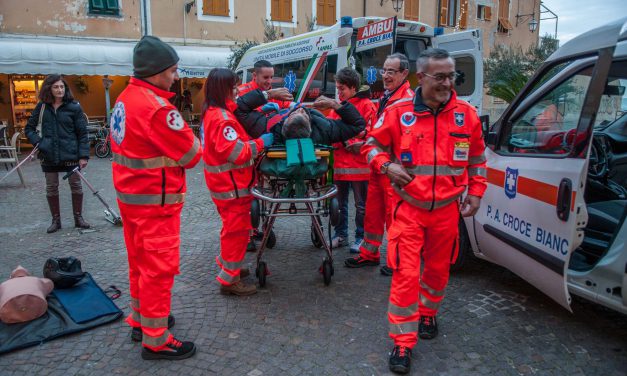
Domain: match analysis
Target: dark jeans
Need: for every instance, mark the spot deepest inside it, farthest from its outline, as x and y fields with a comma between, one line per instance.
x=360, y=189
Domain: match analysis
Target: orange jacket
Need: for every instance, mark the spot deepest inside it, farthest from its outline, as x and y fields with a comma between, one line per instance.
x=252, y=85
x=348, y=166
x=229, y=154
x=152, y=146
x=443, y=151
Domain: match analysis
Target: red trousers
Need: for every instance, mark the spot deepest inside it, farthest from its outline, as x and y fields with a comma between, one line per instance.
x=379, y=200
x=236, y=226
x=415, y=234
x=152, y=245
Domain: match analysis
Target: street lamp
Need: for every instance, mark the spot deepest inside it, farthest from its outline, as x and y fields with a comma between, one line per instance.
x=533, y=24
x=396, y=4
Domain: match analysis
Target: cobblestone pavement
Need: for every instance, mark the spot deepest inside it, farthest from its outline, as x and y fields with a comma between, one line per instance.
x=491, y=321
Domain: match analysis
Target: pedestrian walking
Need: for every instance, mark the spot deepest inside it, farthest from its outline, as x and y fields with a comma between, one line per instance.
x=63, y=144
x=229, y=156
x=432, y=151
x=152, y=146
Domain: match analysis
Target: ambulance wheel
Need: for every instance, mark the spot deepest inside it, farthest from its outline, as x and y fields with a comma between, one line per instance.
x=465, y=250
x=254, y=213
x=315, y=239
x=261, y=273
x=327, y=271
x=334, y=211
x=102, y=149
x=271, y=242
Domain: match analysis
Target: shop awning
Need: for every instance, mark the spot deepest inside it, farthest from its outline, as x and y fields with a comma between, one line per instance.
x=95, y=57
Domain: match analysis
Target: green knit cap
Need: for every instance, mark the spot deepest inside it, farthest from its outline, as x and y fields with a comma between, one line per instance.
x=152, y=56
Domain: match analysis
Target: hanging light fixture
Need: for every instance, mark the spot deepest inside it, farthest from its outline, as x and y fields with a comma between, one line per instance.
x=533, y=25
x=397, y=5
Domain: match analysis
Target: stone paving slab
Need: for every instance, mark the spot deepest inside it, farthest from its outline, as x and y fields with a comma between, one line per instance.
x=491, y=321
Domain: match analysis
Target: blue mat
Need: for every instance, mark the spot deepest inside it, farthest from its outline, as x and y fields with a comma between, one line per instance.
x=85, y=301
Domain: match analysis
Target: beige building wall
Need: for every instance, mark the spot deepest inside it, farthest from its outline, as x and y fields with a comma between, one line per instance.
x=68, y=18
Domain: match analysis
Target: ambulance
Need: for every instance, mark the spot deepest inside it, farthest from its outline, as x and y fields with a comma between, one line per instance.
x=555, y=206
x=306, y=64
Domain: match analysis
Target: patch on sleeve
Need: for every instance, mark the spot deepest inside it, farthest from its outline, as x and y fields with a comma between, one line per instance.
x=175, y=120
x=379, y=122
x=229, y=133
x=118, y=123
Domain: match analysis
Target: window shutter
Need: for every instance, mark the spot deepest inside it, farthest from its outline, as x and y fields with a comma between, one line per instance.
x=331, y=11
x=287, y=10
x=411, y=9
x=488, y=13
x=97, y=4
x=443, y=12
x=463, y=18
x=112, y=4
x=325, y=12
x=221, y=7
x=206, y=7
x=321, y=20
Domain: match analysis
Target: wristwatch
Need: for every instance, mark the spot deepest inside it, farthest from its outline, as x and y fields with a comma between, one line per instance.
x=265, y=94
x=384, y=167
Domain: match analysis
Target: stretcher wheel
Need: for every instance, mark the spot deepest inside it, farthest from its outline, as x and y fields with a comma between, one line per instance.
x=255, y=213
x=261, y=273
x=327, y=271
x=315, y=239
x=334, y=211
x=271, y=242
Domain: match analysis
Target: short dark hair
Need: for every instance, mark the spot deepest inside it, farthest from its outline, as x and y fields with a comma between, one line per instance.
x=262, y=64
x=45, y=93
x=404, y=62
x=218, y=86
x=431, y=53
x=348, y=77
x=296, y=127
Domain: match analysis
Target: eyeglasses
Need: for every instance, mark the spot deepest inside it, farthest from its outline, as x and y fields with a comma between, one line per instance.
x=383, y=72
x=440, y=77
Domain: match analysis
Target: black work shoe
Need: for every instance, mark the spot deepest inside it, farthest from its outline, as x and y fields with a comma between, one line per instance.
x=428, y=327
x=257, y=235
x=400, y=359
x=136, y=333
x=172, y=350
x=359, y=262
x=386, y=271
x=251, y=247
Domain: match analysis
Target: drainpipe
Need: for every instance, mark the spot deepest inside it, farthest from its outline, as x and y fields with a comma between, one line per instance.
x=365, y=15
x=144, y=13
x=107, y=82
x=187, y=7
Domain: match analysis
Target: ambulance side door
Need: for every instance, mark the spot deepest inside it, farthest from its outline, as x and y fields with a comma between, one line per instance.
x=533, y=212
x=466, y=48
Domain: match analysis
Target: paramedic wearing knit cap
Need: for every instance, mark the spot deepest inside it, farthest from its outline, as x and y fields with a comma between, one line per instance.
x=152, y=146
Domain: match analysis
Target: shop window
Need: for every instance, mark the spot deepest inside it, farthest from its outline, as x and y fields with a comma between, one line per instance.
x=281, y=10
x=484, y=12
x=215, y=8
x=104, y=7
x=411, y=9
x=504, y=24
x=448, y=12
x=325, y=12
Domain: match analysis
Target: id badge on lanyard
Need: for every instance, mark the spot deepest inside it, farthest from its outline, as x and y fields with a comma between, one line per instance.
x=408, y=119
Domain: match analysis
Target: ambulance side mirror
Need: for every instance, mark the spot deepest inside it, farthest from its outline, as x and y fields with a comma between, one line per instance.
x=485, y=126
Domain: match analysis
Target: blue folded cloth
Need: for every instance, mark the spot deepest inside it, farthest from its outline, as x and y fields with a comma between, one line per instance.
x=85, y=301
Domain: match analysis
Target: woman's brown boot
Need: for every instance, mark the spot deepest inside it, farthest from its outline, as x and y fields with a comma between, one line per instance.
x=77, y=208
x=53, y=203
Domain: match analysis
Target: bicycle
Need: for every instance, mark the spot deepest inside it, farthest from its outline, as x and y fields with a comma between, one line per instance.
x=102, y=146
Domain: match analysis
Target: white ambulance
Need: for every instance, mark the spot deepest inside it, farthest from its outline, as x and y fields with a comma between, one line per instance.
x=342, y=47
x=555, y=207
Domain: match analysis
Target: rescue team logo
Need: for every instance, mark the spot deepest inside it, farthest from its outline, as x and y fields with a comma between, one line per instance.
x=460, y=153
x=118, y=123
x=408, y=119
x=380, y=122
x=511, y=182
x=229, y=134
x=371, y=75
x=175, y=120
x=459, y=118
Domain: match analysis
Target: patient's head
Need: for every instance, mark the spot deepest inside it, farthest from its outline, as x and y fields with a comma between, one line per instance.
x=297, y=125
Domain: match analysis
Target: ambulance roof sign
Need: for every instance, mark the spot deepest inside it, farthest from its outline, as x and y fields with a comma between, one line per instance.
x=376, y=34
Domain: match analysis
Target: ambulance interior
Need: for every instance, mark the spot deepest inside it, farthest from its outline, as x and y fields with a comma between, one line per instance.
x=549, y=128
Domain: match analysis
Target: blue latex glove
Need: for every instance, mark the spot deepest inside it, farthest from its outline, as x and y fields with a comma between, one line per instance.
x=268, y=139
x=270, y=107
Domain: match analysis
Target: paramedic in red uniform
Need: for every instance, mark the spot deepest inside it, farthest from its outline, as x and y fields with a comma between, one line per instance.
x=436, y=152
x=350, y=169
x=152, y=146
x=229, y=157
x=378, y=203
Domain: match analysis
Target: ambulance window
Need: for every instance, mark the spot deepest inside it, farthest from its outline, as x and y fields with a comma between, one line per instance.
x=375, y=58
x=465, y=82
x=614, y=99
x=548, y=127
x=323, y=82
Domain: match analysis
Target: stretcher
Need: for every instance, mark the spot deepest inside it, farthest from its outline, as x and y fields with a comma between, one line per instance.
x=285, y=190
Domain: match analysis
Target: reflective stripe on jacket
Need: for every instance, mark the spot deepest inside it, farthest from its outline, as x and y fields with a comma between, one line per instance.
x=442, y=150
x=152, y=146
x=229, y=154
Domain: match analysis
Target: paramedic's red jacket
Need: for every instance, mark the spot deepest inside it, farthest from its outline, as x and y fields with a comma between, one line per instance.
x=229, y=154
x=346, y=165
x=152, y=146
x=252, y=85
x=443, y=151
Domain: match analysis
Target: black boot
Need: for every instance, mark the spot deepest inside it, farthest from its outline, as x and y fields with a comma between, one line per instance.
x=400, y=359
x=77, y=208
x=53, y=203
x=428, y=327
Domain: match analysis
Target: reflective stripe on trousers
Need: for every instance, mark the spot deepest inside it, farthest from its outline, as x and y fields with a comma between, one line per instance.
x=151, y=199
